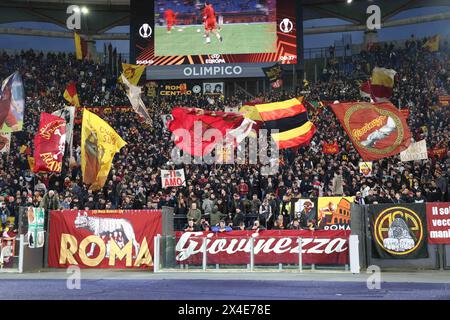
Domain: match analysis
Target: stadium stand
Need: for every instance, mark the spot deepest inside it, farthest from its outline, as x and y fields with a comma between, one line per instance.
x=233, y=192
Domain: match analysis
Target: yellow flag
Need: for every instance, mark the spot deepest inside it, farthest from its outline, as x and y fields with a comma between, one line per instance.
x=30, y=162
x=132, y=72
x=99, y=144
x=251, y=113
x=433, y=43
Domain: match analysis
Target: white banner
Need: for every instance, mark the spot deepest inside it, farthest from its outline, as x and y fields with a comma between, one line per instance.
x=173, y=178
x=415, y=151
x=231, y=109
x=365, y=168
x=213, y=88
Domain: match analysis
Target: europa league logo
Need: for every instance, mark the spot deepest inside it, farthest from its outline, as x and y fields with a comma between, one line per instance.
x=286, y=25
x=145, y=31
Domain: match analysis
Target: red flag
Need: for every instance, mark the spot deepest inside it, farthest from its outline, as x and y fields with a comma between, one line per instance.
x=49, y=144
x=330, y=148
x=71, y=95
x=377, y=130
x=190, y=124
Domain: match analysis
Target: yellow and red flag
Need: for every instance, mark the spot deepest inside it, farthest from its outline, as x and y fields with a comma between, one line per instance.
x=71, y=95
x=380, y=85
x=81, y=48
x=99, y=144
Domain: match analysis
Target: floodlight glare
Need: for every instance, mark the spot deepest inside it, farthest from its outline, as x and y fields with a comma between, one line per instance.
x=84, y=10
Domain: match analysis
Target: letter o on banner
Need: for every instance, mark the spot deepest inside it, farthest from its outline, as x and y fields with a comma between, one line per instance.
x=187, y=71
x=237, y=70
x=92, y=262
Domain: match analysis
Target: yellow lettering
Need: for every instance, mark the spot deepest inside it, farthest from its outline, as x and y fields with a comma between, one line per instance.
x=67, y=249
x=114, y=251
x=92, y=262
x=144, y=256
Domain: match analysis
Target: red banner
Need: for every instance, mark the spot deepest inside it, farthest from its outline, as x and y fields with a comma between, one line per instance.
x=377, y=130
x=49, y=144
x=270, y=247
x=330, y=148
x=438, y=222
x=103, y=238
x=437, y=152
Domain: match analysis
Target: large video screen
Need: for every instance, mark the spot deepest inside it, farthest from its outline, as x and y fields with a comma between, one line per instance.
x=180, y=32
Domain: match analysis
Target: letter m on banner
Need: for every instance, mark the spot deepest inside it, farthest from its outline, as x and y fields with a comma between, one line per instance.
x=173, y=178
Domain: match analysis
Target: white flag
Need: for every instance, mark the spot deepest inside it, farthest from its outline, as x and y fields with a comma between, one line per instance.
x=134, y=95
x=68, y=114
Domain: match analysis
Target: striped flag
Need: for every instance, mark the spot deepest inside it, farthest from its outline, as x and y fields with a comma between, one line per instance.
x=380, y=86
x=81, y=48
x=71, y=95
x=290, y=118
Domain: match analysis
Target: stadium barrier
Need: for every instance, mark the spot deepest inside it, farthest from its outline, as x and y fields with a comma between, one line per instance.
x=251, y=251
x=295, y=250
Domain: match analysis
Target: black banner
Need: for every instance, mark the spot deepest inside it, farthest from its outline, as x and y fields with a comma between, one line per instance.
x=398, y=231
x=274, y=74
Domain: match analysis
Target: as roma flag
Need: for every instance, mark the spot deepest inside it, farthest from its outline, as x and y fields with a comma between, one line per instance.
x=49, y=144
x=377, y=130
x=190, y=127
x=330, y=148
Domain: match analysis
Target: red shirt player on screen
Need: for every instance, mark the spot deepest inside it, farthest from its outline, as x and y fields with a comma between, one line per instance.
x=209, y=17
x=171, y=19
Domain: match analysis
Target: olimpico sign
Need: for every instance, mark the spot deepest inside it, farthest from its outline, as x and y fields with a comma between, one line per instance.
x=215, y=71
x=207, y=71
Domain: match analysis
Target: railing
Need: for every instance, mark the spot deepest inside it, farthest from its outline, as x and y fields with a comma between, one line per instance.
x=251, y=253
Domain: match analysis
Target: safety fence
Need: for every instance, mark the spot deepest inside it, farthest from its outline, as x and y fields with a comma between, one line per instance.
x=253, y=251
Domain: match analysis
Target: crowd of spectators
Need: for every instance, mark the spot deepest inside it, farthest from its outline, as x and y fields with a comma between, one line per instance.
x=221, y=196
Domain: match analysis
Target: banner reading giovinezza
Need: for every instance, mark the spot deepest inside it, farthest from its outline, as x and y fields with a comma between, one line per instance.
x=398, y=231
x=103, y=238
x=270, y=247
x=438, y=220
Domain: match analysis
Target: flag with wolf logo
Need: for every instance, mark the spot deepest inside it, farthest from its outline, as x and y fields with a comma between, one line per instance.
x=103, y=238
x=399, y=231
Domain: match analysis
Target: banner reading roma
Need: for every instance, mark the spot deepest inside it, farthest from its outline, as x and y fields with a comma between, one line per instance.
x=398, y=231
x=334, y=213
x=49, y=144
x=377, y=130
x=438, y=220
x=270, y=247
x=103, y=238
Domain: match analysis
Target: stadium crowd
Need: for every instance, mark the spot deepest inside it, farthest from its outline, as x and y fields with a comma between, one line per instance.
x=237, y=194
